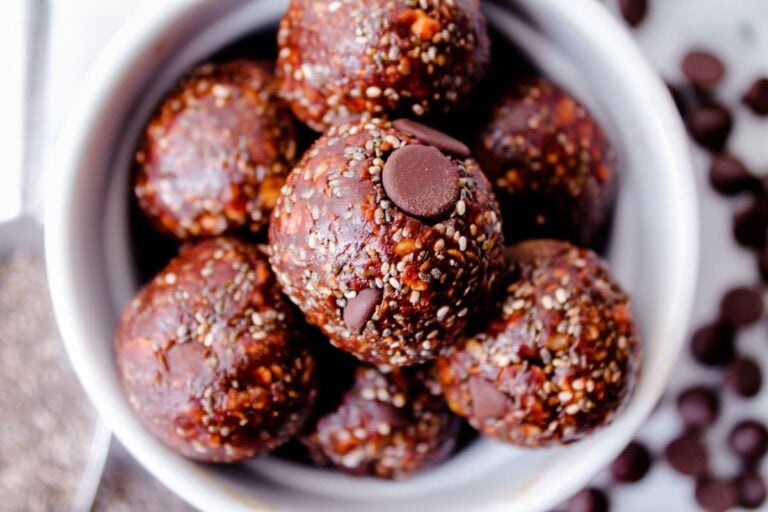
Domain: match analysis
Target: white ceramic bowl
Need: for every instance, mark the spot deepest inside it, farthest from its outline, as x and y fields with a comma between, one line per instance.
x=92, y=275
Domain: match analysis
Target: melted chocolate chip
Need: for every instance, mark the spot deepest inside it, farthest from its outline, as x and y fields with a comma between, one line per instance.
x=741, y=306
x=698, y=406
x=421, y=181
x=487, y=401
x=716, y=495
x=632, y=464
x=756, y=97
x=744, y=377
x=432, y=137
x=749, y=440
x=712, y=345
x=687, y=455
x=360, y=308
x=703, y=68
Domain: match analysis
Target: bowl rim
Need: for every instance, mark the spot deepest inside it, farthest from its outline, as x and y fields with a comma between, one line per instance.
x=148, y=24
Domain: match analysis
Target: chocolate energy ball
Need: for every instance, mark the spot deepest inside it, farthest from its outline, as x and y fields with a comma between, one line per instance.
x=552, y=167
x=388, y=237
x=343, y=57
x=216, y=152
x=560, y=358
x=388, y=425
x=211, y=358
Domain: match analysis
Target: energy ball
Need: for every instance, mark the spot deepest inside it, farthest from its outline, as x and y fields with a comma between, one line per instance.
x=560, y=358
x=211, y=358
x=338, y=58
x=385, y=241
x=552, y=167
x=215, y=154
x=388, y=425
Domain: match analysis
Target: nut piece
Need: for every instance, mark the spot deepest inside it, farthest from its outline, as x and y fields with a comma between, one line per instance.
x=388, y=425
x=340, y=58
x=211, y=357
x=336, y=231
x=214, y=156
x=558, y=360
x=552, y=167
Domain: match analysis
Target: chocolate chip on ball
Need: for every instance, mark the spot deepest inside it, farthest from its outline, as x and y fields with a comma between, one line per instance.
x=386, y=243
x=341, y=58
x=557, y=361
x=388, y=425
x=553, y=168
x=632, y=464
x=216, y=152
x=749, y=440
x=715, y=494
x=211, y=356
x=687, y=454
x=713, y=345
x=744, y=377
x=698, y=406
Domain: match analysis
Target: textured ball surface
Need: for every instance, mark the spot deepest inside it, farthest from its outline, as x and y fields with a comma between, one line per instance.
x=216, y=152
x=552, y=167
x=559, y=359
x=382, y=284
x=388, y=425
x=211, y=357
x=339, y=58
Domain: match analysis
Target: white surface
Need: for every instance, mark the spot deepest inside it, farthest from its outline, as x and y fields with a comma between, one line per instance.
x=86, y=236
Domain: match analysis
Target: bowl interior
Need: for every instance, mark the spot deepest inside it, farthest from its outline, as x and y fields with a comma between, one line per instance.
x=93, y=273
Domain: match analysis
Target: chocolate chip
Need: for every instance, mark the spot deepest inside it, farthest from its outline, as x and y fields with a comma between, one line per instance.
x=432, y=137
x=756, y=97
x=744, y=377
x=698, y=406
x=712, y=345
x=487, y=401
x=680, y=99
x=762, y=263
x=716, y=495
x=751, y=491
x=588, y=500
x=729, y=176
x=634, y=11
x=632, y=464
x=687, y=455
x=710, y=125
x=360, y=308
x=751, y=225
x=749, y=440
x=741, y=306
x=421, y=181
x=702, y=68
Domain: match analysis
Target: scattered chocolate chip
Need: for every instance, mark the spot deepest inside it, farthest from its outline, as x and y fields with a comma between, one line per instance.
x=588, y=500
x=687, y=455
x=421, y=181
x=744, y=377
x=751, y=225
x=729, y=176
x=762, y=263
x=716, y=495
x=712, y=345
x=680, y=99
x=698, y=406
x=749, y=440
x=756, y=97
x=487, y=401
x=634, y=11
x=741, y=306
x=702, y=68
x=632, y=464
x=710, y=125
x=433, y=137
x=751, y=491
x=360, y=308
